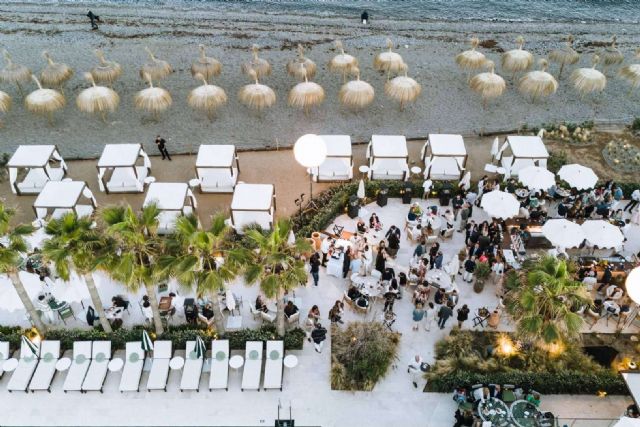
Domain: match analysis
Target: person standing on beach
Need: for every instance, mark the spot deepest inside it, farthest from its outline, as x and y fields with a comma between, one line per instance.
x=94, y=19
x=364, y=17
x=161, y=143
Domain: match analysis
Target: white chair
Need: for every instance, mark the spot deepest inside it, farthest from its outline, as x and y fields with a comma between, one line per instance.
x=267, y=317
x=448, y=233
x=132, y=372
x=432, y=239
x=100, y=356
x=162, y=352
x=192, y=368
x=79, y=366
x=4, y=354
x=219, y=377
x=273, y=365
x=254, y=311
x=26, y=367
x=294, y=318
x=376, y=274
x=252, y=366
x=42, y=378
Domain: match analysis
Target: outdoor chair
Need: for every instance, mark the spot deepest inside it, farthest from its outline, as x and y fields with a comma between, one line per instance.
x=294, y=318
x=100, y=356
x=273, y=366
x=65, y=313
x=132, y=372
x=192, y=368
x=79, y=366
x=448, y=234
x=346, y=299
x=4, y=354
x=252, y=366
x=376, y=274
x=159, y=374
x=255, y=312
x=267, y=317
x=42, y=378
x=219, y=376
x=26, y=367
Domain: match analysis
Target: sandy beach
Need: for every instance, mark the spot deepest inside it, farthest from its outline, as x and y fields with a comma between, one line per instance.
x=429, y=47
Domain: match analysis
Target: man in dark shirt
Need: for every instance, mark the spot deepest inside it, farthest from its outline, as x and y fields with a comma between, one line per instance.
x=364, y=17
x=94, y=18
x=161, y=143
x=290, y=309
x=443, y=315
x=314, y=262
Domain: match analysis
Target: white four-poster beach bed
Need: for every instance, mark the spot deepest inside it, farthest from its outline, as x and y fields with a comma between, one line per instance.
x=518, y=152
x=338, y=165
x=444, y=156
x=217, y=168
x=32, y=166
x=58, y=198
x=253, y=204
x=123, y=168
x=173, y=199
x=388, y=157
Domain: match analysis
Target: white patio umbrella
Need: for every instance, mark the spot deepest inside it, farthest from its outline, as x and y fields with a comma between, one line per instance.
x=602, y=234
x=147, y=344
x=563, y=233
x=536, y=178
x=499, y=204
x=465, y=183
x=578, y=176
x=201, y=348
x=32, y=346
x=495, y=147
x=361, y=192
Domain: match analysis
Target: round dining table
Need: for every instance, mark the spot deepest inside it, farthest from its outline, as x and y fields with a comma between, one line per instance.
x=495, y=411
x=524, y=413
x=440, y=279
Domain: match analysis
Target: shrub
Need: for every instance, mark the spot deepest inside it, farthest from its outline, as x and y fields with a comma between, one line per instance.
x=482, y=273
x=556, y=160
x=635, y=125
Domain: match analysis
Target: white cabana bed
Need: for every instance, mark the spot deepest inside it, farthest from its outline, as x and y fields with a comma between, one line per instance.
x=60, y=197
x=519, y=152
x=388, y=157
x=338, y=165
x=174, y=199
x=253, y=204
x=32, y=166
x=123, y=168
x=217, y=168
x=444, y=156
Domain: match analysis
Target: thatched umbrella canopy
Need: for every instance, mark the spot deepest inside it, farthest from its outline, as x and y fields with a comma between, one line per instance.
x=356, y=94
x=152, y=99
x=206, y=66
x=538, y=83
x=97, y=99
x=55, y=73
x=631, y=73
x=388, y=61
x=44, y=101
x=156, y=68
x=403, y=89
x=207, y=98
x=589, y=80
x=5, y=102
x=259, y=66
x=293, y=66
x=306, y=94
x=14, y=73
x=107, y=72
x=471, y=59
x=255, y=95
x=565, y=55
x=517, y=60
x=343, y=62
x=612, y=55
x=489, y=85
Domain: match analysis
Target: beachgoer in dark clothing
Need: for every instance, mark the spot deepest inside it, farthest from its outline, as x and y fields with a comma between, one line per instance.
x=94, y=19
x=161, y=143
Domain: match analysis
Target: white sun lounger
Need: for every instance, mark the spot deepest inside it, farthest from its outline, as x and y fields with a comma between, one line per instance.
x=26, y=367
x=252, y=366
x=192, y=369
x=49, y=355
x=273, y=365
x=79, y=366
x=100, y=356
x=159, y=374
x=132, y=372
x=4, y=354
x=219, y=377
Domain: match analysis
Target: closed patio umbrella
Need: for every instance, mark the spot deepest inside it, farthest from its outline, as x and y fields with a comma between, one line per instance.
x=602, y=234
x=499, y=204
x=147, y=344
x=563, y=233
x=578, y=176
x=536, y=178
x=30, y=344
x=361, y=190
x=201, y=348
x=465, y=182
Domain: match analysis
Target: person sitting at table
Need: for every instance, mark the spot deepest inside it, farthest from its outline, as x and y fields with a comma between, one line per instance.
x=613, y=292
x=414, y=212
x=206, y=315
x=374, y=222
x=562, y=209
x=118, y=302
x=335, y=314
x=481, y=394
x=361, y=226
x=495, y=391
x=402, y=279
x=290, y=309
x=362, y=301
x=388, y=274
x=611, y=306
x=453, y=298
x=439, y=297
x=606, y=278
x=538, y=215
x=464, y=418
x=261, y=305
x=534, y=398
x=353, y=293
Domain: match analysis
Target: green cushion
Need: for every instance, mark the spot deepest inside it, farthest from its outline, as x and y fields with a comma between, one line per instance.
x=30, y=358
x=274, y=355
x=80, y=359
x=100, y=357
x=220, y=356
x=253, y=354
x=48, y=357
x=193, y=355
x=134, y=357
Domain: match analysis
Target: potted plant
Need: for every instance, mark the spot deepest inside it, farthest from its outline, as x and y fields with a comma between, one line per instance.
x=482, y=273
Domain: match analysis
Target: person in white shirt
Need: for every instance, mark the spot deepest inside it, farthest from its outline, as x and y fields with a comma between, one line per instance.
x=635, y=199
x=324, y=248
x=429, y=316
x=414, y=369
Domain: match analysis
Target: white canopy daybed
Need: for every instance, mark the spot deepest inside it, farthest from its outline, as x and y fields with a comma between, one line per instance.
x=129, y=166
x=338, y=165
x=39, y=163
x=444, y=156
x=215, y=169
x=519, y=152
x=173, y=199
x=60, y=197
x=388, y=157
x=253, y=204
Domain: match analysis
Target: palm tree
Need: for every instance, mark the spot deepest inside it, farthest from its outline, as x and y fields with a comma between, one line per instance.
x=11, y=256
x=205, y=258
x=138, y=248
x=75, y=245
x=542, y=300
x=277, y=265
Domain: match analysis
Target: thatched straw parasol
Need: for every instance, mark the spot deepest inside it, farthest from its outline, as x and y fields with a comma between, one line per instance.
x=5, y=103
x=565, y=55
x=97, y=99
x=255, y=95
x=517, y=60
x=403, y=89
x=14, y=73
x=356, y=94
x=538, y=83
x=489, y=85
x=206, y=66
x=388, y=61
x=631, y=73
x=612, y=55
x=588, y=80
x=55, y=73
x=471, y=59
x=306, y=94
x=157, y=69
x=207, y=97
x=107, y=72
x=259, y=66
x=44, y=101
x=152, y=99
x=343, y=62
x=293, y=66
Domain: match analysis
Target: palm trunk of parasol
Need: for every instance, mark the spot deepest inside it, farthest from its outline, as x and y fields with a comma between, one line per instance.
x=210, y=115
x=50, y=118
x=401, y=105
x=20, y=89
x=561, y=68
x=344, y=76
x=103, y=116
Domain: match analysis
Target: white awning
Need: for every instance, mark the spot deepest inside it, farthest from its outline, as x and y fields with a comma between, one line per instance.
x=633, y=384
x=258, y=197
x=391, y=146
x=167, y=195
x=337, y=145
x=118, y=155
x=31, y=156
x=215, y=156
x=447, y=145
x=527, y=146
x=60, y=194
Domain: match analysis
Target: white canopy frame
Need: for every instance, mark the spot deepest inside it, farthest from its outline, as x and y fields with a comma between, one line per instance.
x=388, y=157
x=173, y=199
x=217, y=168
x=129, y=168
x=251, y=204
x=39, y=163
x=338, y=165
x=445, y=157
x=518, y=152
x=58, y=198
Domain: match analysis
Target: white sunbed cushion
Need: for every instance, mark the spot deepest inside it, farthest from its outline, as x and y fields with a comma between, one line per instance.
x=101, y=354
x=160, y=366
x=22, y=374
x=335, y=169
x=79, y=366
x=130, y=380
x=192, y=369
x=273, y=365
x=444, y=168
x=46, y=369
x=4, y=353
x=252, y=366
x=219, y=364
x=217, y=180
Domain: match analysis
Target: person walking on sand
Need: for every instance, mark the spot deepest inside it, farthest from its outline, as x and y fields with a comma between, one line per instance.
x=94, y=19
x=364, y=17
x=162, y=147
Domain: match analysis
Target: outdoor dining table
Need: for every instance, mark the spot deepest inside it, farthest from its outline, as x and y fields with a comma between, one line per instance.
x=495, y=411
x=363, y=281
x=522, y=192
x=440, y=279
x=524, y=413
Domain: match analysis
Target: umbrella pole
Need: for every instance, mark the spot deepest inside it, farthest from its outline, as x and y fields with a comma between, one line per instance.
x=20, y=89
x=104, y=118
x=50, y=117
x=561, y=68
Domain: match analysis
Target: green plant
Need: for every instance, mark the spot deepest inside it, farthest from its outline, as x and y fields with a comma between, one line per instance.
x=4, y=160
x=556, y=160
x=481, y=274
x=635, y=125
